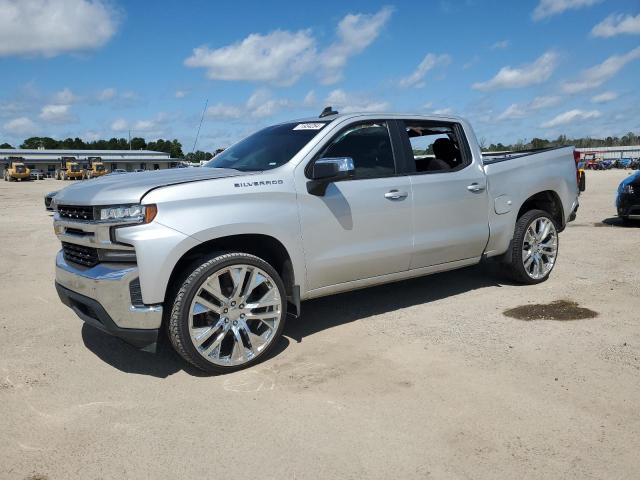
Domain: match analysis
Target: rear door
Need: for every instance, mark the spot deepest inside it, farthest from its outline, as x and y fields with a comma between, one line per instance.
x=448, y=193
x=360, y=228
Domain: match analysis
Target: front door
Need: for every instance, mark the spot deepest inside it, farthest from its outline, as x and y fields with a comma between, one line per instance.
x=360, y=228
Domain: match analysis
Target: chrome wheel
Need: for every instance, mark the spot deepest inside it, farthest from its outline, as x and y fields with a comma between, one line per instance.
x=539, y=248
x=234, y=315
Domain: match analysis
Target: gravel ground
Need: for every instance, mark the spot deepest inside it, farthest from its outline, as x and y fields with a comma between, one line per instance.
x=420, y=379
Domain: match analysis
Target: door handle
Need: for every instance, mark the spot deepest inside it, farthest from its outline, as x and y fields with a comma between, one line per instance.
x=474, y=187
x=395, y=195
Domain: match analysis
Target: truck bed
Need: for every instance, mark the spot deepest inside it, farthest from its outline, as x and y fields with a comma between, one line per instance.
x=513, y=177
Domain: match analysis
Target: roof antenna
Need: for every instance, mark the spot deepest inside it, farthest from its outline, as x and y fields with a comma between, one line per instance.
x=195, y=142
x=328, y=111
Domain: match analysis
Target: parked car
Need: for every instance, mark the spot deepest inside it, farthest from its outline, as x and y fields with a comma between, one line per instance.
x=36, y=174
x=296, y=211
x=48, y=199
x=628, y=198
x=138, y=170
x=117, y=171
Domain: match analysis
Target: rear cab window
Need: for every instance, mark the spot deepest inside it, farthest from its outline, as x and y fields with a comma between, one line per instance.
x=434, y=146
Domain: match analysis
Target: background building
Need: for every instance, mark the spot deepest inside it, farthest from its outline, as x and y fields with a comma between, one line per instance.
x=49, y=160
x=610, y=153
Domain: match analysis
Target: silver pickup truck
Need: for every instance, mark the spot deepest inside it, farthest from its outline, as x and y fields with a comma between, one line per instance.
x=218, y=256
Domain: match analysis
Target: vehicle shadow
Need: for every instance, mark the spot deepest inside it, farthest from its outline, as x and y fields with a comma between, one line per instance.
x=318, y=314
x=618, y=222
x=161, y=364
x=327, y=312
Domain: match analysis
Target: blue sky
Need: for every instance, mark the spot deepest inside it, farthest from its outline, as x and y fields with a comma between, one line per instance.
x=516, y=70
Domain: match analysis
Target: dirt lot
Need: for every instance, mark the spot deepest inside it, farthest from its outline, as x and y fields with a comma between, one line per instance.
x=420, y=379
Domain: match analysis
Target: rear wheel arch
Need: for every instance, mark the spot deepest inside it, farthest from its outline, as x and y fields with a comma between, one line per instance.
x=547, y=201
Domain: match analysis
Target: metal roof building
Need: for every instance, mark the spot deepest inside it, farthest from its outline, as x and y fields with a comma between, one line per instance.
x=611, y=153
x=49, y=160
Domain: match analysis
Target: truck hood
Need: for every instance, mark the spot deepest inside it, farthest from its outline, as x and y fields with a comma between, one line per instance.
x=131, y=187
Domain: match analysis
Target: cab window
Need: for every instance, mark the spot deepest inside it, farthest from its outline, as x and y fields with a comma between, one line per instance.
x=436, y=148
x=369, y=145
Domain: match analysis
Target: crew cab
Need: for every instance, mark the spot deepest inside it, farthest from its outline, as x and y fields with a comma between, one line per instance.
x=218, y=257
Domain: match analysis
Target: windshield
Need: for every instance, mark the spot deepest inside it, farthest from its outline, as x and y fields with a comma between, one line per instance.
x=269, y=148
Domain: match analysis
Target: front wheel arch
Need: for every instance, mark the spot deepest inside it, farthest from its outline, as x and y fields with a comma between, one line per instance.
x=266, y=247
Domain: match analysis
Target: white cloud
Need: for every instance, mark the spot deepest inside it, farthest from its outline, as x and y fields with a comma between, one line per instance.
x=355, y=33
x=181, y=93
x=429, y=62
x=544, y=102
x=145, y=126
x=107, y=94
x=443, y=111
x=155, y=126
x=65, y=96
x=500, y=45
x=222, y=110
x=471, y=62
x=617, y=24
x=571, y=116
x=119, y=125
x=261, y=104
x=282, y=57
x=20, y=126
x=604, y=97
x=549, y=8
x=531, y=74
x=92, y=136
x=279, y=57
x=52, y=27
x=513, y=111
x=350, y=103
x=595, y=76
x=12, y=108
x=516, y=110
x=310, y=99
x=56, y=113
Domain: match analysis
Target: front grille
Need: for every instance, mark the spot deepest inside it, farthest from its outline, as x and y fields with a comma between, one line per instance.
x=73, y=212
x=87, y=256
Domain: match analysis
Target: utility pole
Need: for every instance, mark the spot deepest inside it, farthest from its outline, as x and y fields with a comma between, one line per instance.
x=129, y=139
x=195, y=142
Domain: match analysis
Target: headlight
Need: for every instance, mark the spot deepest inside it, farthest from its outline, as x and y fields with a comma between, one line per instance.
x=628, y=189
x=127, y=213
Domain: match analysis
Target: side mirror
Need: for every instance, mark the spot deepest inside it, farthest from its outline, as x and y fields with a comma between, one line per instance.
x=329, y=170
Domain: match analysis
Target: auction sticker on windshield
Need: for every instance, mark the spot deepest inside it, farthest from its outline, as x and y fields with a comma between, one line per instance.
x=309, y=126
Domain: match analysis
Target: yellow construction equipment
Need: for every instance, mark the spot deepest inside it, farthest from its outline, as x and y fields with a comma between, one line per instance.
x=70, y=169
x=96, y=167
x=15, y=170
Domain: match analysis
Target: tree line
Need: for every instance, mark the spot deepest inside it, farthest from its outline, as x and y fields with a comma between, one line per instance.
x=172, y=147
x=629, y=139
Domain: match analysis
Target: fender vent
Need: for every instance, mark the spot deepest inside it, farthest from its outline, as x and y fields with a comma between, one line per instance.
x=136, y=293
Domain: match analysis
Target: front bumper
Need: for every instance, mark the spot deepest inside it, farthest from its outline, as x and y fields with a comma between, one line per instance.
x=102, y=297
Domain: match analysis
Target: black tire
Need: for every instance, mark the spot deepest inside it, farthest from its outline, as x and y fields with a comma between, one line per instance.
x=514, y=266
x=627, y=222
x=178, y=322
